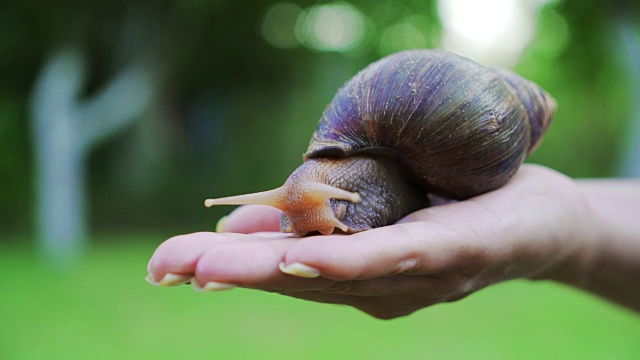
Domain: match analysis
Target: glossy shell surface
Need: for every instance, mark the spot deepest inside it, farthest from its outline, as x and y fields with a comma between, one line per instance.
x=462, y=128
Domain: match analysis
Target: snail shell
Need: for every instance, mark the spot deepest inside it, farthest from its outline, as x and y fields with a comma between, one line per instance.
x=463, y=128
x=414, y=122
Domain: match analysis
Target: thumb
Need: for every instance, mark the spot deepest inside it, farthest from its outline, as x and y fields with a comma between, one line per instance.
x=250, y=219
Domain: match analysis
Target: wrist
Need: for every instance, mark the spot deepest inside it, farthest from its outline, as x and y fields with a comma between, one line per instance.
x=579, y=240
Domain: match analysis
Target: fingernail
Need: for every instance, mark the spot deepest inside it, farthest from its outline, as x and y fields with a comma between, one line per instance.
x=169, y=279
x=174, y=279
x=151, y=280
x=220, y=224
x=300, y=270
x=211, y=286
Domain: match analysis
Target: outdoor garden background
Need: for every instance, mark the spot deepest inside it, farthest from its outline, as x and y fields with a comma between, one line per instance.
x=117, y=118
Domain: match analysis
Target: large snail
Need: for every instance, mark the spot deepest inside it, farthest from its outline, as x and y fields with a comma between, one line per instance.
x=412, y=123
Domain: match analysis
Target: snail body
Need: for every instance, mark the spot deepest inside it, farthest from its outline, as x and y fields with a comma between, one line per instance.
x=412, y=123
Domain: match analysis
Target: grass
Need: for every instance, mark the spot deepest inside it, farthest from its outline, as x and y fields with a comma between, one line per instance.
x=103, y=309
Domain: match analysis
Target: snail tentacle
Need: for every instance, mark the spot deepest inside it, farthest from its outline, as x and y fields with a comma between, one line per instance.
x=320, y=191
x=271, y=197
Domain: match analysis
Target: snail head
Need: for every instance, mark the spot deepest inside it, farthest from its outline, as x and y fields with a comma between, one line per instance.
x=305, y=200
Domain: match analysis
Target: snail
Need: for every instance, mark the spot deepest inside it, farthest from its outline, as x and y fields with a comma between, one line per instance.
x=412, y=123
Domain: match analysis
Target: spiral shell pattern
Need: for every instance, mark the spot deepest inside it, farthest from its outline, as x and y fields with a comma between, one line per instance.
x=462, y=128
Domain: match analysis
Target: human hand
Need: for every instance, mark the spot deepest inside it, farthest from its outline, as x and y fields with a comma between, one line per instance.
x=537, y=226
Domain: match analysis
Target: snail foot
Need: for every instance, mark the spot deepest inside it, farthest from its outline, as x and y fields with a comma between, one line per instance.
x=326, y=231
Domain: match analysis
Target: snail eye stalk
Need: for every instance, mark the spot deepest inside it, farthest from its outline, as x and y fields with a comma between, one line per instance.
x=320, y=191
x=271, y=197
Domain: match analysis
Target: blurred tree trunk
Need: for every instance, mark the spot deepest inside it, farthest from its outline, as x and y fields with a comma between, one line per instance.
x=64, y=130
x=630, y=41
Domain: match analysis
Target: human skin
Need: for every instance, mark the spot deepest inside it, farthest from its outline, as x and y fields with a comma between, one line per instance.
x=541, y=225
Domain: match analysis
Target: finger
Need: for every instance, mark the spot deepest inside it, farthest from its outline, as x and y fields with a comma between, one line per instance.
x=180, y=254
x=253, y=262
x=250, y=219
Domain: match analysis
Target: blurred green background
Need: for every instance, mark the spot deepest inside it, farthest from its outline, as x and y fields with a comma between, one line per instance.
x=190, y=99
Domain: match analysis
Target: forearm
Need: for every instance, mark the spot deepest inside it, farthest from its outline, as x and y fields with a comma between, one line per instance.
x=611, y=256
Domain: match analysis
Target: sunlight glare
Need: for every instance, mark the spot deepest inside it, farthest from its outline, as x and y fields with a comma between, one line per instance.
x=490, y=31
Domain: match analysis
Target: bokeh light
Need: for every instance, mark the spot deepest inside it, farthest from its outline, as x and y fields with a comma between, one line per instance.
x=336, y=26
x=278, y=25
x=553, y=36
x=400, y=37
